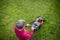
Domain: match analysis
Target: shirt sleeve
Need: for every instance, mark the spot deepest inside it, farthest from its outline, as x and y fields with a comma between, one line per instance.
x=30, y=34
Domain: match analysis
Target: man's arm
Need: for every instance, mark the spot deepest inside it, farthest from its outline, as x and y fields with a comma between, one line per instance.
x=28, y=36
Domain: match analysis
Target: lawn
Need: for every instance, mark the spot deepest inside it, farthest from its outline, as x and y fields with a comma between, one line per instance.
x=13, y=10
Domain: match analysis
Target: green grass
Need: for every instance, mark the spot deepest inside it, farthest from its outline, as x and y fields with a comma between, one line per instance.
x=13, y=10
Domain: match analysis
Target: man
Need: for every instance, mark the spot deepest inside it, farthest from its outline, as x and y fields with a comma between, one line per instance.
x=21, y=32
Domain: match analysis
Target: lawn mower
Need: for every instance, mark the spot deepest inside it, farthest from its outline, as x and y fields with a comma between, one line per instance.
x=38, y=23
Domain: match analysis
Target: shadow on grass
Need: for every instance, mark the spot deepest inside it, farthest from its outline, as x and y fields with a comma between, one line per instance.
x=58, y=20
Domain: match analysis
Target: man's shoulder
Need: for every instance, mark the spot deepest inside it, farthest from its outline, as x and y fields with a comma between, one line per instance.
x=15, y=28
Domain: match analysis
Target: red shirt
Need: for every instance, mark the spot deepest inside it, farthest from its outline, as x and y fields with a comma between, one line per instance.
x=23, y=35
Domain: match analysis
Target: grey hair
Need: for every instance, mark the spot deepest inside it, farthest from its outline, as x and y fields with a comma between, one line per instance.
x=20, y=24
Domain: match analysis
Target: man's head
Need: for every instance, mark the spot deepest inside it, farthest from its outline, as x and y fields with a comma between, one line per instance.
x=20, y=24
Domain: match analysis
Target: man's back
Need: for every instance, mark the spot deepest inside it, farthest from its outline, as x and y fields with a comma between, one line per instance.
x=23, y=35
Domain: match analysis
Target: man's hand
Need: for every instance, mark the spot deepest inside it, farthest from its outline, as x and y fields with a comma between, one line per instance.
x=27, y=25
x=32, y=28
